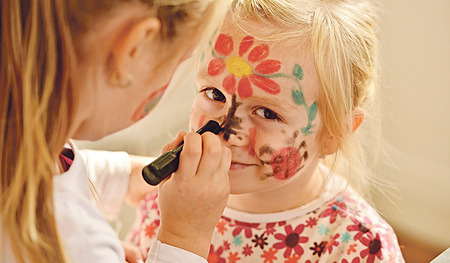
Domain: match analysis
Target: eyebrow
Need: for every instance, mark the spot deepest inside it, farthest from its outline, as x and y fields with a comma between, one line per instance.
x=204, y=76
x=274, y=102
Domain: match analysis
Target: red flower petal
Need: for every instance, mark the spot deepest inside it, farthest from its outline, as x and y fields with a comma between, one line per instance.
x=259, y=53
x=265, y=84
x=298, y=250
x=268, y=66
x=246, y=43
x=224, y=45
x=245, y=88
x=279, y=245
x=216, y=66
x=229, y=84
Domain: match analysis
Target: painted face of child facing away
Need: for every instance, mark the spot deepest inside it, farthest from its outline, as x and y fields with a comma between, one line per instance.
x=265, y=96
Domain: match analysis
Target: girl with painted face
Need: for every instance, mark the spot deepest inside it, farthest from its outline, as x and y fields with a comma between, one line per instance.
x=291, y=83
x=83, y=70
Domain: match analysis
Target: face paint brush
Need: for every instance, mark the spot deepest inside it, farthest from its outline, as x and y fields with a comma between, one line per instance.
x=167, y=163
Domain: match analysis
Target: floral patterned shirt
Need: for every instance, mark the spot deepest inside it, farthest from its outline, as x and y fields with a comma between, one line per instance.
x=337, y=227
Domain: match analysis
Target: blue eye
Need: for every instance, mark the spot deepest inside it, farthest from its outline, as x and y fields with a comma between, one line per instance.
x=215, y=94
x=266, y=114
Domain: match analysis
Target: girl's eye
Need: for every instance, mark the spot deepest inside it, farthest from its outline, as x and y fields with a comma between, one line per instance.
x=266, y=114
x=215, y=94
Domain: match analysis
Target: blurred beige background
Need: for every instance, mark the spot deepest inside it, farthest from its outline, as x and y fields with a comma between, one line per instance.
x=415, y=51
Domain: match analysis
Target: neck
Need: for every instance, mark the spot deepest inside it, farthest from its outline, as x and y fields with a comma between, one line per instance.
x=301, y=190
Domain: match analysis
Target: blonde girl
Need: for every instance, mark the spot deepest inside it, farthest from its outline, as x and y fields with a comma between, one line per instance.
x=292, y=81
x=84, y=69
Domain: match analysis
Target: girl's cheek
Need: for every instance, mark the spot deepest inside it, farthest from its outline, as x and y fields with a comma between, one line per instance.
x=286, y=162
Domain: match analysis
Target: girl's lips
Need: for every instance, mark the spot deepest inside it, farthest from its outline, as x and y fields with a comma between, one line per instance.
x=237, y=166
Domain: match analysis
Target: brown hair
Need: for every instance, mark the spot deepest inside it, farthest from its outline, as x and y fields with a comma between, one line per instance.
x=37, y=105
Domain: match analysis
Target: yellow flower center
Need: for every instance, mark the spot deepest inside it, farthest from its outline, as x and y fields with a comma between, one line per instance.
x=238, y=66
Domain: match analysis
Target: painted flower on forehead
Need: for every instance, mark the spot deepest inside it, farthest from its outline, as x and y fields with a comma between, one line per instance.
x=238, y=67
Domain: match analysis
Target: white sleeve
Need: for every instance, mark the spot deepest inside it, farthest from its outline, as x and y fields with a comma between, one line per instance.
x=110, y=174
x=163, y=253
x=86, y=234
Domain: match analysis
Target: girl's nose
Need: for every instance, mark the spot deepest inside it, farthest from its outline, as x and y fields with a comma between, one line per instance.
x=235, y=136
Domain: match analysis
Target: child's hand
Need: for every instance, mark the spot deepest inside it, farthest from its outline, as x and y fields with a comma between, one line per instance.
x=138, y=188
x=132, y=253
x=193, y=198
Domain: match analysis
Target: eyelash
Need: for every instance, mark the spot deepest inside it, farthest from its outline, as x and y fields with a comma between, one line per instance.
x=277, y=118
x=205, y=90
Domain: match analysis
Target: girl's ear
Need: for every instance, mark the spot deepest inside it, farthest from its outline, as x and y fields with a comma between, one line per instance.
x=130, y=46
x=353, y=124
x=358, y=115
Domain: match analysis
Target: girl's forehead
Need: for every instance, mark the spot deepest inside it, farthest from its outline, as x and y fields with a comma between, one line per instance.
x=288, y=51
x=284, y=62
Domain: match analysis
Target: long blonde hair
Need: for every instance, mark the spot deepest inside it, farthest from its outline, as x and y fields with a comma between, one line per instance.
x=37, y=105
x=341, y=37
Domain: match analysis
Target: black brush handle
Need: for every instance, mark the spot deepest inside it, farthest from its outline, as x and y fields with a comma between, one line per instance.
x=167, y=163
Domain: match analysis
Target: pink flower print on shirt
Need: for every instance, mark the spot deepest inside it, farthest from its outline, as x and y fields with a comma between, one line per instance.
x=373, y=248
x=214, y=256
x=334, y=209
x=226, y=245
x=358, y=226
x=332, y=243
x=247, y=227
x=292, y=240
x=270, y=227
x=311, y=222
x=239, y=67
x=355, y=260
x=248, y=251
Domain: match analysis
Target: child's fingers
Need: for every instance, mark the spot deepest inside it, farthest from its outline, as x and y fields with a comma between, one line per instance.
x=212, y=157
x=175, y=142
x=189, y=156
x=225, y=162
x=132, y=253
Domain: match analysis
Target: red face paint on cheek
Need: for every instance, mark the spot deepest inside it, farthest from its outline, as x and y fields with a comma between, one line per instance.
x=252, y=132
x=286, y=162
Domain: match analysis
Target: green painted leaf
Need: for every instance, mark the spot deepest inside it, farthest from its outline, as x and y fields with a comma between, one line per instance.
x=312, y=111
x=307, y=130
x=298, y=98
x=202, y=56
x=298, y=72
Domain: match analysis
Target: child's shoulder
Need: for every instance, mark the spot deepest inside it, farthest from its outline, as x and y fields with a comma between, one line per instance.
x=351, y=206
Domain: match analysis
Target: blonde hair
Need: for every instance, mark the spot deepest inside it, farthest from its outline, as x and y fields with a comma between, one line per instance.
x=38, y=58
x=340, y=36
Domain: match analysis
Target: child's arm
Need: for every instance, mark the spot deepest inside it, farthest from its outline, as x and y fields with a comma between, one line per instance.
x=192, y=200
x=116, y=177
x=138, y=188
